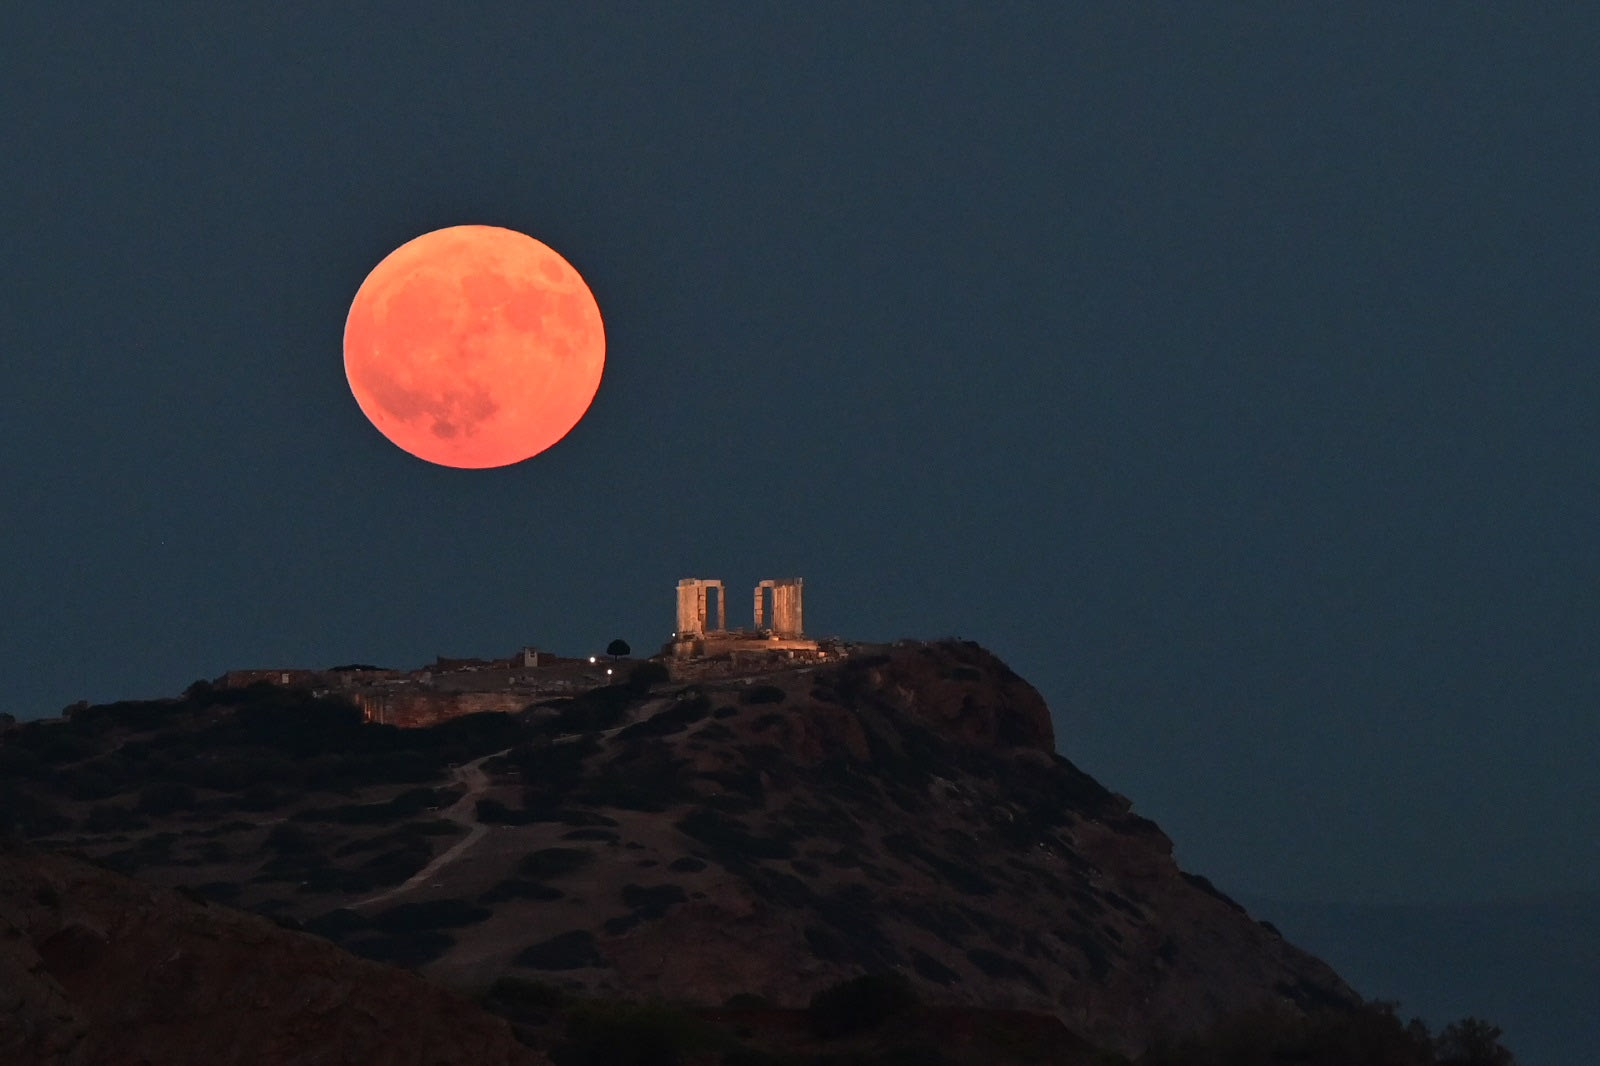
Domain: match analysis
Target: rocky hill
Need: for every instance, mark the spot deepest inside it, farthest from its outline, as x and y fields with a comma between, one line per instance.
x=770, y=836
x=102, y=970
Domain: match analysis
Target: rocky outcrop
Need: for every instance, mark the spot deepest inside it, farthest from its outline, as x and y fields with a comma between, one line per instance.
x=99, y=969
x=958, y=688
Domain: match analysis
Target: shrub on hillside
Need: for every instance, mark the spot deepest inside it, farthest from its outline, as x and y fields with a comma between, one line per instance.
x=565, y=951
x=1369, y=1034
x=641, y=677
x=731, y=839
x=164, y=797
x=595, y=710
x=674, y=719
x=859, y=1004
x=106, y=818
x=27, y=815
x=631, y=1034
x=524, y=993
x=429, y=914
x=555, y=862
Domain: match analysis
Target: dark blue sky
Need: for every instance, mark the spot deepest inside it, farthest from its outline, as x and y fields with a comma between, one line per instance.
x=1232, y=376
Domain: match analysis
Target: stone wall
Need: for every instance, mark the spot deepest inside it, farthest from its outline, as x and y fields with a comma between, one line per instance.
x=415, y=706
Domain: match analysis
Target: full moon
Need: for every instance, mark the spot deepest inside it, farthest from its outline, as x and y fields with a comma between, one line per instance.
x=474, y=346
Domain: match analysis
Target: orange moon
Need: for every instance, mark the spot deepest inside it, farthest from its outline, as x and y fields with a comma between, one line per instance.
x=474, y=346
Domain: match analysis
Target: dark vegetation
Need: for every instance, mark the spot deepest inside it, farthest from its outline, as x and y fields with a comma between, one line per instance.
x=859, y=1004
x=405, y=805
x=1372, y=1035
x=256, y=746
x=564, y=951
x=555, y=862
x=617, y=1033
x=407, y=934
x=877, y=1020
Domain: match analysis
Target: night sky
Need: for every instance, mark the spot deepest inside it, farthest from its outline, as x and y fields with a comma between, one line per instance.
x=1232, y=376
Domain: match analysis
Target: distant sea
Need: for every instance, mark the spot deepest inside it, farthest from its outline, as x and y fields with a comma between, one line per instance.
x=1531, y=967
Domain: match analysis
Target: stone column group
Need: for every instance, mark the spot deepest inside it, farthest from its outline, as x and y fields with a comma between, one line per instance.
x=786, y=621
x=693, y=614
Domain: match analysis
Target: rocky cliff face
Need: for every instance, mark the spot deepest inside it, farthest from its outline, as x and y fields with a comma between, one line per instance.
x=770, y=834
x=99, y=969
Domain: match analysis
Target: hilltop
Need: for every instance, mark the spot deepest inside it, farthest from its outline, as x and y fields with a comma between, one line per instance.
x=763, y=836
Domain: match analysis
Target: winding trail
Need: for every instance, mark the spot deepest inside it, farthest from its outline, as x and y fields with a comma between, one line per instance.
x=464, y=812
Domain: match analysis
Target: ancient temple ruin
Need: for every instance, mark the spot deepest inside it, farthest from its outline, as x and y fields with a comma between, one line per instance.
x=693, y=593
x=777, y=615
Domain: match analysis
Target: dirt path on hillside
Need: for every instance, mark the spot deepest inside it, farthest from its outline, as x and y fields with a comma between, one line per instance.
x=464, y=812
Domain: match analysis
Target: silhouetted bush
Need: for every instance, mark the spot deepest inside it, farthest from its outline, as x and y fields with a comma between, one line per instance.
x=731, y=838
x=597, y=709
x=390, y=867
x=931, y=969
x=520, y=888
x=523, y=993
x=27, y=815
x=52, y=742
x=605, y=836
x=959, y=876
x=18, y=762
x=260, y=798
x=338, y=924
x=90, y=782
x=239, y=772
x=105, y=818
x=164, y=797
x=494, y=812
x=555, y=862
x=470, y=735
x=1204, y=884
x=221, y=891
x=136, y=715
x=402, y=949
x=1471, y=1042
x=643, y=777
x=565, y=951
x=603, y=1033
x=641, y=677
x=1370, y=1034
x=429, y=914
x=762, y=694
x=548, y=768
x=748, y=1001
x=675, y=719
x=286, y=838
x=410, y=802
x=654, y=898
x=859, y=1004
x=1003, y=967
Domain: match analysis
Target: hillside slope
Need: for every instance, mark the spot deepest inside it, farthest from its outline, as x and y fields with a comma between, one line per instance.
x=768, y=834
x=101, y=970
